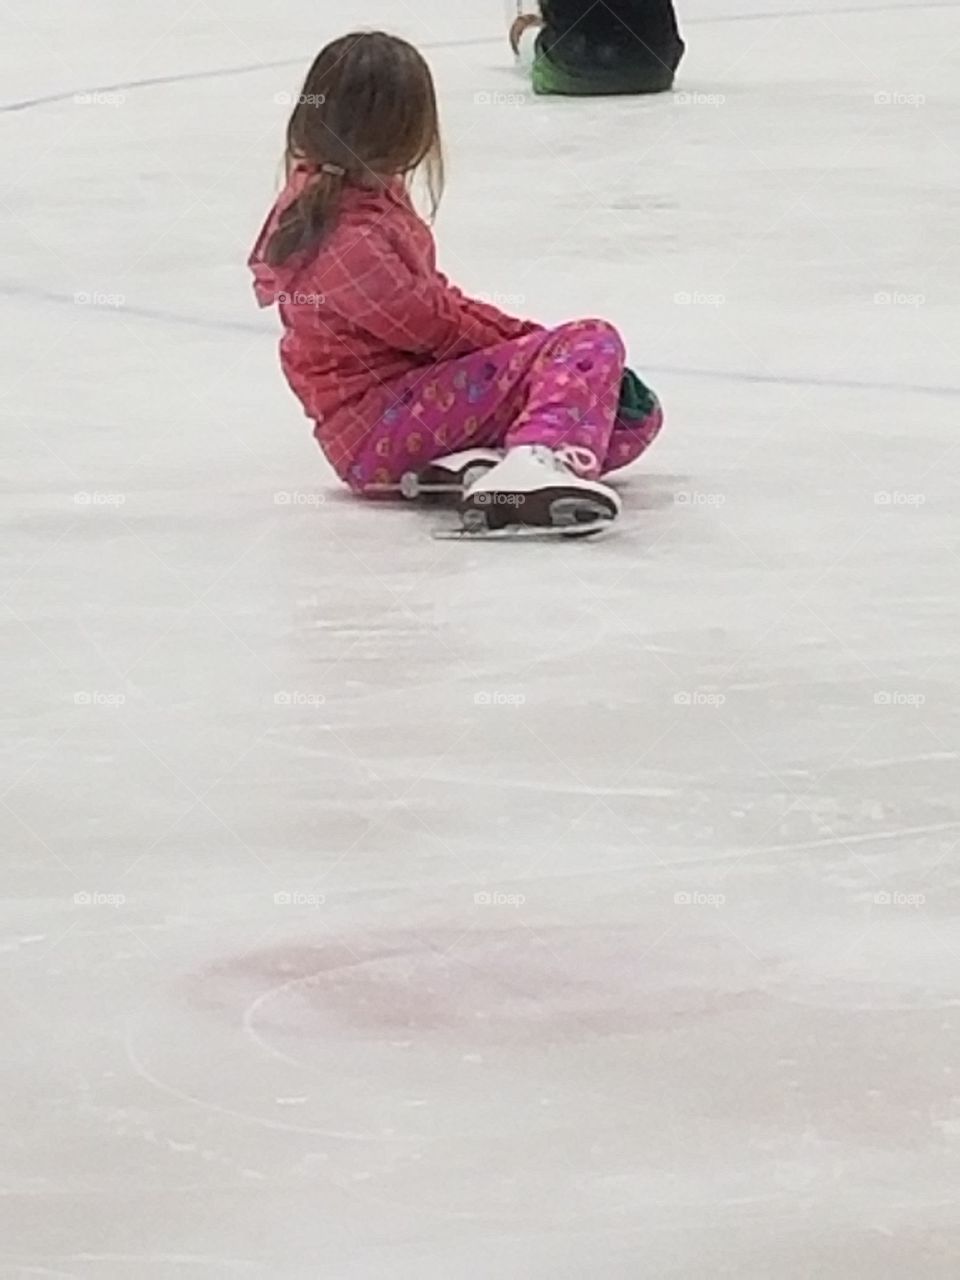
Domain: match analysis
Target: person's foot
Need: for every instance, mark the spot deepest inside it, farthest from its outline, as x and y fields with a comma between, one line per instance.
x=542, y=487
x=523, y=23
x=451, y=475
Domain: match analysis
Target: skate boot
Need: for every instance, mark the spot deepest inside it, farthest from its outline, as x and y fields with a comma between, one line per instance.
x=538, y=489
x=447, y=477
x=525, y=25
x=456, y=472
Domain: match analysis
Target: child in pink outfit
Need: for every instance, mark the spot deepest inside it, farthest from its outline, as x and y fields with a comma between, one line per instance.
x=395, y=366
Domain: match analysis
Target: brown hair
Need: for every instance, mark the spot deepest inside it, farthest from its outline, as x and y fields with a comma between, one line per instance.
x=367, y=113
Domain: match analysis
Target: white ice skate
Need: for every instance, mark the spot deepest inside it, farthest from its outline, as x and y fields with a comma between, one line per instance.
x=525, y=22
x=536, y=491
x=444, y=477
x=457, y=471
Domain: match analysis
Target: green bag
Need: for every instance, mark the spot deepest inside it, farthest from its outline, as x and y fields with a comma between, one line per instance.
x=637, y=401
x=553, y=76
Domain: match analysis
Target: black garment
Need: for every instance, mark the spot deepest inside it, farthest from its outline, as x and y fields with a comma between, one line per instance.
x=608, y=46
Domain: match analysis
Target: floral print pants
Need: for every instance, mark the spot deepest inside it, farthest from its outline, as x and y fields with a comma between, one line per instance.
x=557, y=387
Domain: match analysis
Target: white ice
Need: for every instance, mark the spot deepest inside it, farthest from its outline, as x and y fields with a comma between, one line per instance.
x=704, y=1023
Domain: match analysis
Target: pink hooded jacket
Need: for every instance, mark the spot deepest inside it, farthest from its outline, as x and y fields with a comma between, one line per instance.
x=366, y=309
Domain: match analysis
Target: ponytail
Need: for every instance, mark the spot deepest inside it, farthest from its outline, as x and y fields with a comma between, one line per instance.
x=304, y=223
x=366, y=118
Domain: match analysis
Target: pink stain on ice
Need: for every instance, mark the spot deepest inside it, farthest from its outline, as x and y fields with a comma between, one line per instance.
x=550, y=986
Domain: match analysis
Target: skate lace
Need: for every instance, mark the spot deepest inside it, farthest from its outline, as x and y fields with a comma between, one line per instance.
x=576, y=458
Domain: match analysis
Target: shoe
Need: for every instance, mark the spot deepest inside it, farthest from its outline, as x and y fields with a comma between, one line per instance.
x=524, y=29
x=538, y=486
x=451, y=475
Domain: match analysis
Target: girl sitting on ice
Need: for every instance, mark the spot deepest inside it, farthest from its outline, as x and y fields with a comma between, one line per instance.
x=600, y=46
x=397, y=369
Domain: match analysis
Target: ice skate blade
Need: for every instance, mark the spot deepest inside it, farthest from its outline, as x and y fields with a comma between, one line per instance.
x=412, y=485
x=413, y=489
x=528, y=533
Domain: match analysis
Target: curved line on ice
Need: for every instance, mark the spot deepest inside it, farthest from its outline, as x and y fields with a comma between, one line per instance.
x=179, y=1259
x=671, y=370
x=251, y=68
x=141, y=313
x=800, y=380
x=217, y=73
x=245, y=1118
x=820, y=13
x=43, y=1271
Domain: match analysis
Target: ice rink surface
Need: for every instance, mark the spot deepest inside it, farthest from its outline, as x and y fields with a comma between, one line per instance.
x=382, y=909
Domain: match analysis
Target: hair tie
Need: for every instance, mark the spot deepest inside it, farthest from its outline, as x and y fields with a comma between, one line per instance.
x=334, y=170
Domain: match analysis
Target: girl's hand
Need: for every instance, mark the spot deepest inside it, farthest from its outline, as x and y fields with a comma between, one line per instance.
x=522, y=24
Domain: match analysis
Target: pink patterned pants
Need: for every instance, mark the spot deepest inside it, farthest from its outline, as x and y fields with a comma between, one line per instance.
x=558, y=387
